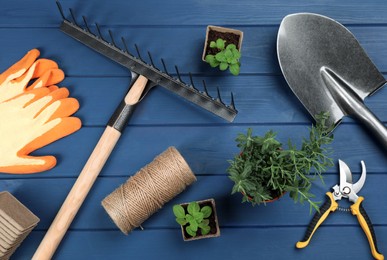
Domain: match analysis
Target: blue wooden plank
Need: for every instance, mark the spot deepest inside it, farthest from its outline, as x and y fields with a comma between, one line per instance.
x=206, y=149
x=258, y=50
x=246, y=243
x=162, y=120
x=258, y=99
x=249, y=12
x=231, y=212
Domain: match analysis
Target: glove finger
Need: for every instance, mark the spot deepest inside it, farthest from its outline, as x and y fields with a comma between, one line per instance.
x=68, y=106
x=53, y=87
x=50, y=77
x=65, y=127
x=43, y=65
x=17, y=69
x=47, y=106
x=36, y=103
x=43, y=98
x=25, y=99
x=30, y=164
x=58, y=93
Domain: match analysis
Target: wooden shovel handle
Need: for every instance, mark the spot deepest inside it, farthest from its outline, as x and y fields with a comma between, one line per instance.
x=84, y=182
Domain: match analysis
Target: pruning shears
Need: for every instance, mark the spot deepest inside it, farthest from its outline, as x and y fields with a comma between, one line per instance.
x=346, y=189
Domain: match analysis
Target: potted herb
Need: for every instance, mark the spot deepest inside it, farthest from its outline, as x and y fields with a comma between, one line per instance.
x=197, y=219
x=264, y=170
x=222, y=48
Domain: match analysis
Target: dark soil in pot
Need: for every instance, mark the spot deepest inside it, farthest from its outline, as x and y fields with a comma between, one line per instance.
x=230, y=38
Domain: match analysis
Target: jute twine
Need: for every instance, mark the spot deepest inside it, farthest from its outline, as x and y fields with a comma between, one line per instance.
x=148, y=190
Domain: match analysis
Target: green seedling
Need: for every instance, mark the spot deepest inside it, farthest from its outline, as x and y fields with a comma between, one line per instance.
x=227, y=57
x=196, y=218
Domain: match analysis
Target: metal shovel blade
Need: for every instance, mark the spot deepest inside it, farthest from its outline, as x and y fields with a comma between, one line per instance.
x=327, y=69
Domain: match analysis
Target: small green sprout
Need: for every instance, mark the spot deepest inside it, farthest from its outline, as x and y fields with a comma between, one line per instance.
x=227, y=57
x=195, y=218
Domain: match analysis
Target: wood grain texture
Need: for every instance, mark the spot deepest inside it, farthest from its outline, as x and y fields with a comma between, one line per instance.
x=175, y=31
x=77, y=194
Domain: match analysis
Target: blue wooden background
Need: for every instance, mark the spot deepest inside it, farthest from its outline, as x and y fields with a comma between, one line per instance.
x=175, y=30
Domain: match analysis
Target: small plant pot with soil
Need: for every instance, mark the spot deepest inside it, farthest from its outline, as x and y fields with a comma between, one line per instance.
x=197, y=219
x=222, y=48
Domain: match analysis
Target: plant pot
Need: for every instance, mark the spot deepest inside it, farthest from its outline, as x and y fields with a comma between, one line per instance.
x=214, y=224
x=230, y=35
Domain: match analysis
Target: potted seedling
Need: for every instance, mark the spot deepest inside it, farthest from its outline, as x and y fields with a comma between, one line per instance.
x=264, y=170
x=197, y=219
x=222, y=48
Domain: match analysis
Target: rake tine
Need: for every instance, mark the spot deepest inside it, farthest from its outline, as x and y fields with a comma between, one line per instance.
x=191, y=79
x=138, y=52
x=60, y=10
x=86, y=25
x=232, y=105
x=125, y=45
x=178, y=73
x=151, y=60
x=205, y=89
x=73, y=16
x=218, y=98
x=108, y=47
x=99, y=31
x=111, y=37
x=165, y=67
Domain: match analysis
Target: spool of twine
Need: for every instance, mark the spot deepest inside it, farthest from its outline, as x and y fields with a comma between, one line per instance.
x=148, y=190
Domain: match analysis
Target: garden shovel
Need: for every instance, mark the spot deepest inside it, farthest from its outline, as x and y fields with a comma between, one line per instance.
x=328, y=70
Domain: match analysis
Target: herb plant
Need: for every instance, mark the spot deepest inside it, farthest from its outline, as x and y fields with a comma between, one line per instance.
x=227, y=57
x=264, y=169
x=196, y=218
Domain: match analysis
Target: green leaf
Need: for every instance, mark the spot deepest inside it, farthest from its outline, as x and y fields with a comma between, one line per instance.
x=228, y=54
x=231, y=47
x=236, y=53
x=214, y=64
x=189, y=218
x=193, y=207
x=194, y=226
x=205, y=230
x=223, y=66
x=221, y=57
x=209, y=58
x=179, y=211
x=212, y=61
x=205, y=222
x=190, y=232
x=207, y=211
x=234, y=69
x=198, y=216
x=181, y=221
x=212, y=44
x=220, y=44
x=246, y=171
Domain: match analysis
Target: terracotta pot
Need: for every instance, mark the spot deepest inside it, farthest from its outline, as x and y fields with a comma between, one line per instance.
x=221, y=30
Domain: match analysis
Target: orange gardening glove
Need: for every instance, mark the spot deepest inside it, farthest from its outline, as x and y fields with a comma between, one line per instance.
x=15, y=80
x=33, y=115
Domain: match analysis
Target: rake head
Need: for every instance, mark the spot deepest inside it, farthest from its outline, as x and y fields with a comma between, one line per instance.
x=137, y=65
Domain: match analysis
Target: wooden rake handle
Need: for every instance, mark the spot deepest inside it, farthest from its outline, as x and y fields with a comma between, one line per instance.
x=86, y=178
